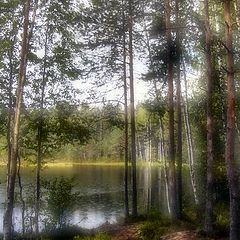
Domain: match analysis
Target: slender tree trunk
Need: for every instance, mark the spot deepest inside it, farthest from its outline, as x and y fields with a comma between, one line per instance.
x=232, y=168
x=164, y=164
x=171, y=157
x=209, y=188
x=38, y=175
x=179, y=142
x=10, y=98
x=179, y=116
x=40, y=137
x=149, y=128
x=7, y=221
x=125, y=118
x=189, y=141
x=10, y=116
x=132, y=111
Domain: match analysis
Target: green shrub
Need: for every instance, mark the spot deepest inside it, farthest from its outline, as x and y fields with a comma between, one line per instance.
x=153, y=230
x=60, y=201
x=222, y=219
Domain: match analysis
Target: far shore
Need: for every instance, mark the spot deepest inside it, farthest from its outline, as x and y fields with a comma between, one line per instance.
x=61, y=163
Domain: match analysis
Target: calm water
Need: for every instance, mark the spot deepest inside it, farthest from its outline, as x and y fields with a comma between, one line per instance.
x=101, y=189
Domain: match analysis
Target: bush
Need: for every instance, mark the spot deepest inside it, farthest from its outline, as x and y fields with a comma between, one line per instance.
x=152, y=230
x=60, y=201
x=154, y=226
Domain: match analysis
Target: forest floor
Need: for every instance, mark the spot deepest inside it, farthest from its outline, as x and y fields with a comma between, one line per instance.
x=131, y=232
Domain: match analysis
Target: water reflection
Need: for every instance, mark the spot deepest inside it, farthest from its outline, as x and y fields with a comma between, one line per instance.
x=101, y=192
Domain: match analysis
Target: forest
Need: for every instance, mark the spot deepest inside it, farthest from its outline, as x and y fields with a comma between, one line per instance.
x=119, y=119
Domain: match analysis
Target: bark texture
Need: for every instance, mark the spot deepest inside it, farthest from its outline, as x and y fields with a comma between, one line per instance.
x=210, y=161
x=7, y=221
x=132, y=112
x=232, y=168
x=171, y=157
x=125, y=119
x=179, y=115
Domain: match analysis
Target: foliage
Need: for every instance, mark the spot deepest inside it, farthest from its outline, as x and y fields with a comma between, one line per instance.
x=60, y=201
x=154, y=226
x=153, y=230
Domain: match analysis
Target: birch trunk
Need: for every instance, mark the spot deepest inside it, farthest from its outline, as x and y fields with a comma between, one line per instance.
x=189, y=141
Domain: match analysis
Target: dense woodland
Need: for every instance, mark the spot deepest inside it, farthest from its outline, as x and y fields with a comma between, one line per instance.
x=59, y=61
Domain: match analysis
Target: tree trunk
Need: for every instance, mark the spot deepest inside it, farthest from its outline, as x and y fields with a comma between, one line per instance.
x=125, y=118
x=10, y=99
x=171, y=157
x=10, y=116
x=7, y=222
x=189, y=141
x=232, y=168
x=39, y=137
x=179, y=116
x=132, y=112
x=165, y=166
x=149, y=130
x=209, y=187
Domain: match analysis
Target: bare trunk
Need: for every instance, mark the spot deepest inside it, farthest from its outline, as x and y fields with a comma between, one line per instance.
x=10, y=100
x=209, y=187
x=149, y=156
x=125, y=119
x=147, y=187
x=165, y=166
x=232, y=168
x=171, y=157
x=132, y=111
x=7, y=222
x=10, y=116
x=189, y=141
x=39, y=137
x=179, y=116
x=179, y=142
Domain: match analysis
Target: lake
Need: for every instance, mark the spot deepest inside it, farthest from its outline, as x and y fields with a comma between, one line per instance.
x=101, y=189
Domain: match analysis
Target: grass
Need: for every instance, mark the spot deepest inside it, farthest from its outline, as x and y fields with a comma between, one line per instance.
x=99, y=236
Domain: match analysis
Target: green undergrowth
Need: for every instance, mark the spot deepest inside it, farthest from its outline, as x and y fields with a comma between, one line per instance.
x=99, y=236
x=154, y=226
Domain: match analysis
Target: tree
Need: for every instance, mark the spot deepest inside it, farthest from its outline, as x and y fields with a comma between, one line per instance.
x=210, y=160
x=170, y=73
x=7, y=222
x=179, y=113
x=125, y=86
x=132, y=112
x=232, y=172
